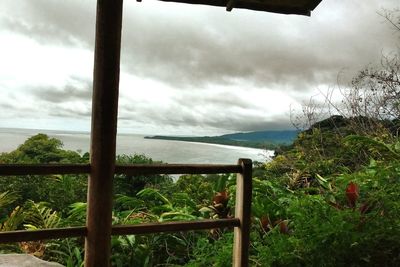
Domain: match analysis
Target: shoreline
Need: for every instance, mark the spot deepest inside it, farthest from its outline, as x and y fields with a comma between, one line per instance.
x=217, y=141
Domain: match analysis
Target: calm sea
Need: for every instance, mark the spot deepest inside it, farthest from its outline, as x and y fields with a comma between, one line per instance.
x=160, y=150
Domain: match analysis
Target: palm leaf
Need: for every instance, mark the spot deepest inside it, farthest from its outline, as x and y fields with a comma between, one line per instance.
x=7, y=198
x=14, y=220
x=154, y=194
x=39, y=216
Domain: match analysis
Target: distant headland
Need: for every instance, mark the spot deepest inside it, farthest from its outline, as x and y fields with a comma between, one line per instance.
x=259, y=139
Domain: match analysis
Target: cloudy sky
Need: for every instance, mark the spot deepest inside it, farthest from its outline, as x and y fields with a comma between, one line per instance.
x=185, y=69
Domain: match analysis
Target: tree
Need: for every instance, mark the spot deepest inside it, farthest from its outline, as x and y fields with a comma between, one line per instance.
x=372, y=99
x=41, y=148
x=59, y=190
x=130, y=185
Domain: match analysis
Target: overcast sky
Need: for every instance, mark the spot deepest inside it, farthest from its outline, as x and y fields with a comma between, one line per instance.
x=185, y=69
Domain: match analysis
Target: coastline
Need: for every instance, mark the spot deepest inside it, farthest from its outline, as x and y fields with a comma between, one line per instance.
x=215, y=140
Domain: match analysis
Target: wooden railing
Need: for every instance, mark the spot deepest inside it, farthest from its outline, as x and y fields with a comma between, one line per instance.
x=241, y=222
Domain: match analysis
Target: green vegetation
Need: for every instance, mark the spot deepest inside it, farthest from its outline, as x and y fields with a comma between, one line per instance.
x=329, y=200
x=40, y=202
x=275, y=137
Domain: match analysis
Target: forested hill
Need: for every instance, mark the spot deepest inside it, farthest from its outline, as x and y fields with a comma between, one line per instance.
x=277, y=137
x=259, y=139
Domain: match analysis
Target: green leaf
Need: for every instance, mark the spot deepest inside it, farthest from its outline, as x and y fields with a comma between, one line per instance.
x=323, y=182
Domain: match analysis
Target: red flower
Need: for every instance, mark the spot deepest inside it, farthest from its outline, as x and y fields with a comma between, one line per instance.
x=352, y=193
x=221, y=198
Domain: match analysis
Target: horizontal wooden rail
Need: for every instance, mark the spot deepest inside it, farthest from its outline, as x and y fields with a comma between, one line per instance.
x=25, y=235
x=149, y=228
x=134, y=169
x=145, y=228
x=43, y=169
x=140, y=169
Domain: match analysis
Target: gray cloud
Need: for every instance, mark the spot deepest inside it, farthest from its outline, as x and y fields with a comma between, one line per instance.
x=267, y=50
x=229, y=113
x=53, y=22
x=6, y=106
x=194, y=50
x=76, y=90
x=233, y=123
x=210, y=46
x=66, y=111
x=15, y=110
x=221, y=100
x=73, y=100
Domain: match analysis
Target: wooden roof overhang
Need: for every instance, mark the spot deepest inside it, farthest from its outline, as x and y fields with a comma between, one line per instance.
x=297, y=7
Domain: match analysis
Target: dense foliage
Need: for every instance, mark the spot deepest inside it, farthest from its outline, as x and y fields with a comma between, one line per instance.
x=329, y=200
x=40, y=202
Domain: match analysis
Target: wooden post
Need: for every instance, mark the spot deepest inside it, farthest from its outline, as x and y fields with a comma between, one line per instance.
x=103, y=132
x=243, y=212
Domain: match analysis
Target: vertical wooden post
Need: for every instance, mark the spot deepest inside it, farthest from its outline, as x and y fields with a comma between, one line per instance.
x=103, y=132
x=243, y=212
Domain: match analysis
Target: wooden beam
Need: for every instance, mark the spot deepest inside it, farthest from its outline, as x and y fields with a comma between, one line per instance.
x=254, y=5
x=103, y=132
x=149, y=228
x=138, y=229
x=141, y=169
x=230, y=4
x=243, y=212
x=19, y=236
x=133, y=169
x=43, y=169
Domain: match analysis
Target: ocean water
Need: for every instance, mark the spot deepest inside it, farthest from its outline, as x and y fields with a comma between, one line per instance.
x=160, y=150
